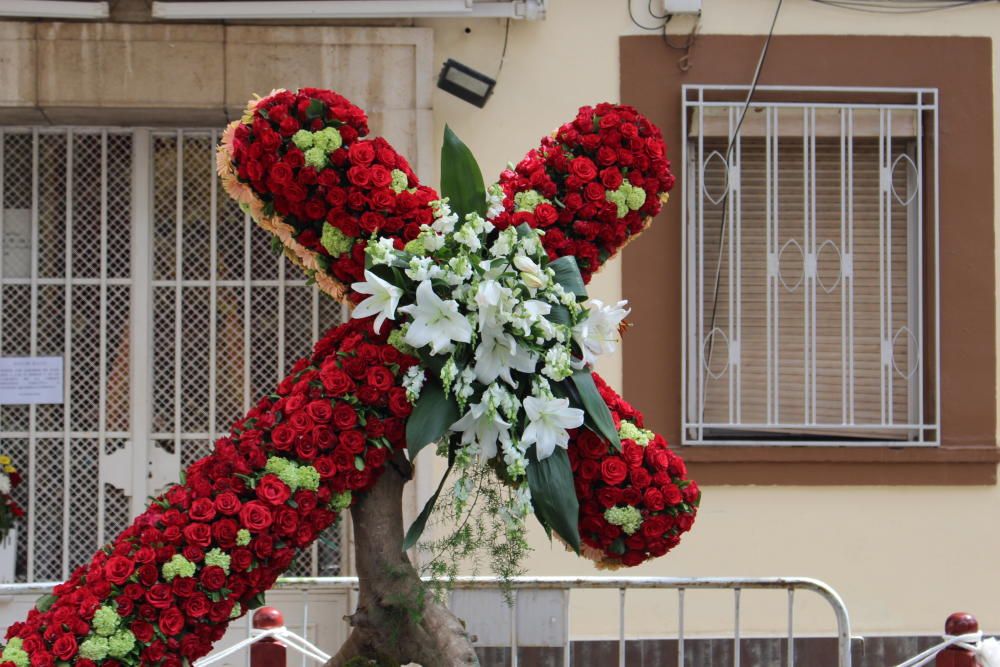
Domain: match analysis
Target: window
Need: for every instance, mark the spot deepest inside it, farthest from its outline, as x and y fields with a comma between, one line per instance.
x=810, y=235
x=120, y=253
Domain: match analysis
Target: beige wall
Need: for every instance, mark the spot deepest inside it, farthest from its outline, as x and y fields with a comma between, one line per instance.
x=902, y=558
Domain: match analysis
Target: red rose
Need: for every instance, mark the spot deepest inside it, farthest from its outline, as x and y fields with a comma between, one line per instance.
x=633, y=558
x=691, y=493
x=64, y=648
x=653, y=499
x=282, y=437
x=672, y=494
x=183, y=587
x=362, y=153
x=594, y=191
x=171, y=622
x=255, y=516
x=197, y=606
x=591, y=444
x=160, y=596
x=399, y=404
x=655, y=526
x=240, y=559
x=352, y=441
x=640, y=478
x=614, y=470
x=359, y=176
x=212, y=578
x=369, y=395
x=589, y=469
x=224, y=532
x=380, y=377
x=632, y=453
x=272, y=490
x=202, y=509
x=344, y=416
x=381, y=178
x=320, y=411
x=545, y=215
x=280, y=174
x=143, y=632
x=227, y=503
x=583, y=168
x=376, y=457
x=306, y=448
x=198, y=534
x=609, y=496
x=118, y=569
x=148, y=575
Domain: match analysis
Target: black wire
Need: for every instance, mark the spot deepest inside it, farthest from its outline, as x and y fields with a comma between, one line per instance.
x=628, y=3
x=503, y=54
x=729, y=151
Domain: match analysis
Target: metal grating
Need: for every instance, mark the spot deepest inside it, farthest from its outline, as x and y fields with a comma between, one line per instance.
x=810, y=236
x=71, y=286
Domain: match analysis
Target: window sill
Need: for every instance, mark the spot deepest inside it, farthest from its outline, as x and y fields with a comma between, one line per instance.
x=926, y=466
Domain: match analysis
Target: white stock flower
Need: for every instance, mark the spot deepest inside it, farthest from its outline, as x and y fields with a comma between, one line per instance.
x=382, y=302
x=598, y=334
x=532, y=274
x=435, y=322
x=548, y=419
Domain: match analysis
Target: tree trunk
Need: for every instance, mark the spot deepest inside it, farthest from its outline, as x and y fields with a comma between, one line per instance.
x=397, y=620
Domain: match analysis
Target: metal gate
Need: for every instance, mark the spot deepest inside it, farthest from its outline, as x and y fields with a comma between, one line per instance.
x=119, y=253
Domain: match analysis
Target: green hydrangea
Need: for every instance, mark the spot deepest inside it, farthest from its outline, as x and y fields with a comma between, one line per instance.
x=178, y=566
x=242, y=537
x=528, y=200
x=335, y=241
x=629, y=431
x=308, y=478
x=105, y=621
x=94, y=648
x=287, y=471
x=328, y=139
x=121, y=643
x=14, y=653
x=396, y=339
x=341, y=501
x=303, y=139
x=416, y=247
x=629, y=518
x=399, y=181
x=217, y=557
x=627, y=197
x=316, y=157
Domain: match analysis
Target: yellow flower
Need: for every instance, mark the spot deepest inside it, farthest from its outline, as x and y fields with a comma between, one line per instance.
x=9, y=469
x=4, y=459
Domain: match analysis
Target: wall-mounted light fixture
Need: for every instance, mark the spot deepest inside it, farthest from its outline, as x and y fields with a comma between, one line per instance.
x=466, y=83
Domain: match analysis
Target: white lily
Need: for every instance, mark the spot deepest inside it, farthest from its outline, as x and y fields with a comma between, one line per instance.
x=498, y=354
x=436, y=322
x=382, y=302
x=548, y=419
x=598, y=334
x=483, y=426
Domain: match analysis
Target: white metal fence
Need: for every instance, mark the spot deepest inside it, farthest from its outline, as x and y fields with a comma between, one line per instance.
x=810, y=266
x=308, y=588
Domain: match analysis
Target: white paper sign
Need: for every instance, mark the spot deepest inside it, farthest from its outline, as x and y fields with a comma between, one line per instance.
x=27, y=380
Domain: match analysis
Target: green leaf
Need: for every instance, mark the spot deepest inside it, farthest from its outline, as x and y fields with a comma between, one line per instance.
x=431, y=417
x=553, y=495
x=559, y=315
x=461, y=178
x=257, y=601
x=359, y=463
x=597, y=413
x=568, y=275
x=316, y=109
x=417, y=528
x=43, y=603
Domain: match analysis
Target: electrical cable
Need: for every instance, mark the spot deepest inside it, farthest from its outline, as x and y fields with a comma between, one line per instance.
x=628, y=3
x=899, y=6
x=725, y=198
x=503, y=53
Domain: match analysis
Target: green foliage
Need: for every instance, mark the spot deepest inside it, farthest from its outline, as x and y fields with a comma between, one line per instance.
x=431, y=417
x=475, y=528
x=461, y=178
x=553, y=495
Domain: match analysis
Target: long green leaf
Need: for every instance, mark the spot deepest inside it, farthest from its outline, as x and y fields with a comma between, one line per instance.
x=417, y=527
x=597, y=412
x=430, y=419
x=568, y=275
x=461, y=178
x=553, y=495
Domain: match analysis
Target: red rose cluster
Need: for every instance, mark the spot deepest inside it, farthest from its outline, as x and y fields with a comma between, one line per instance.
x=573, y=171
x=353, y=190
x=649, y=478
x=205, y=551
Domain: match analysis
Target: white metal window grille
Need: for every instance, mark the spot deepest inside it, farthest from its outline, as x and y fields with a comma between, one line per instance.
x=810, y=237
x=119, y=252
